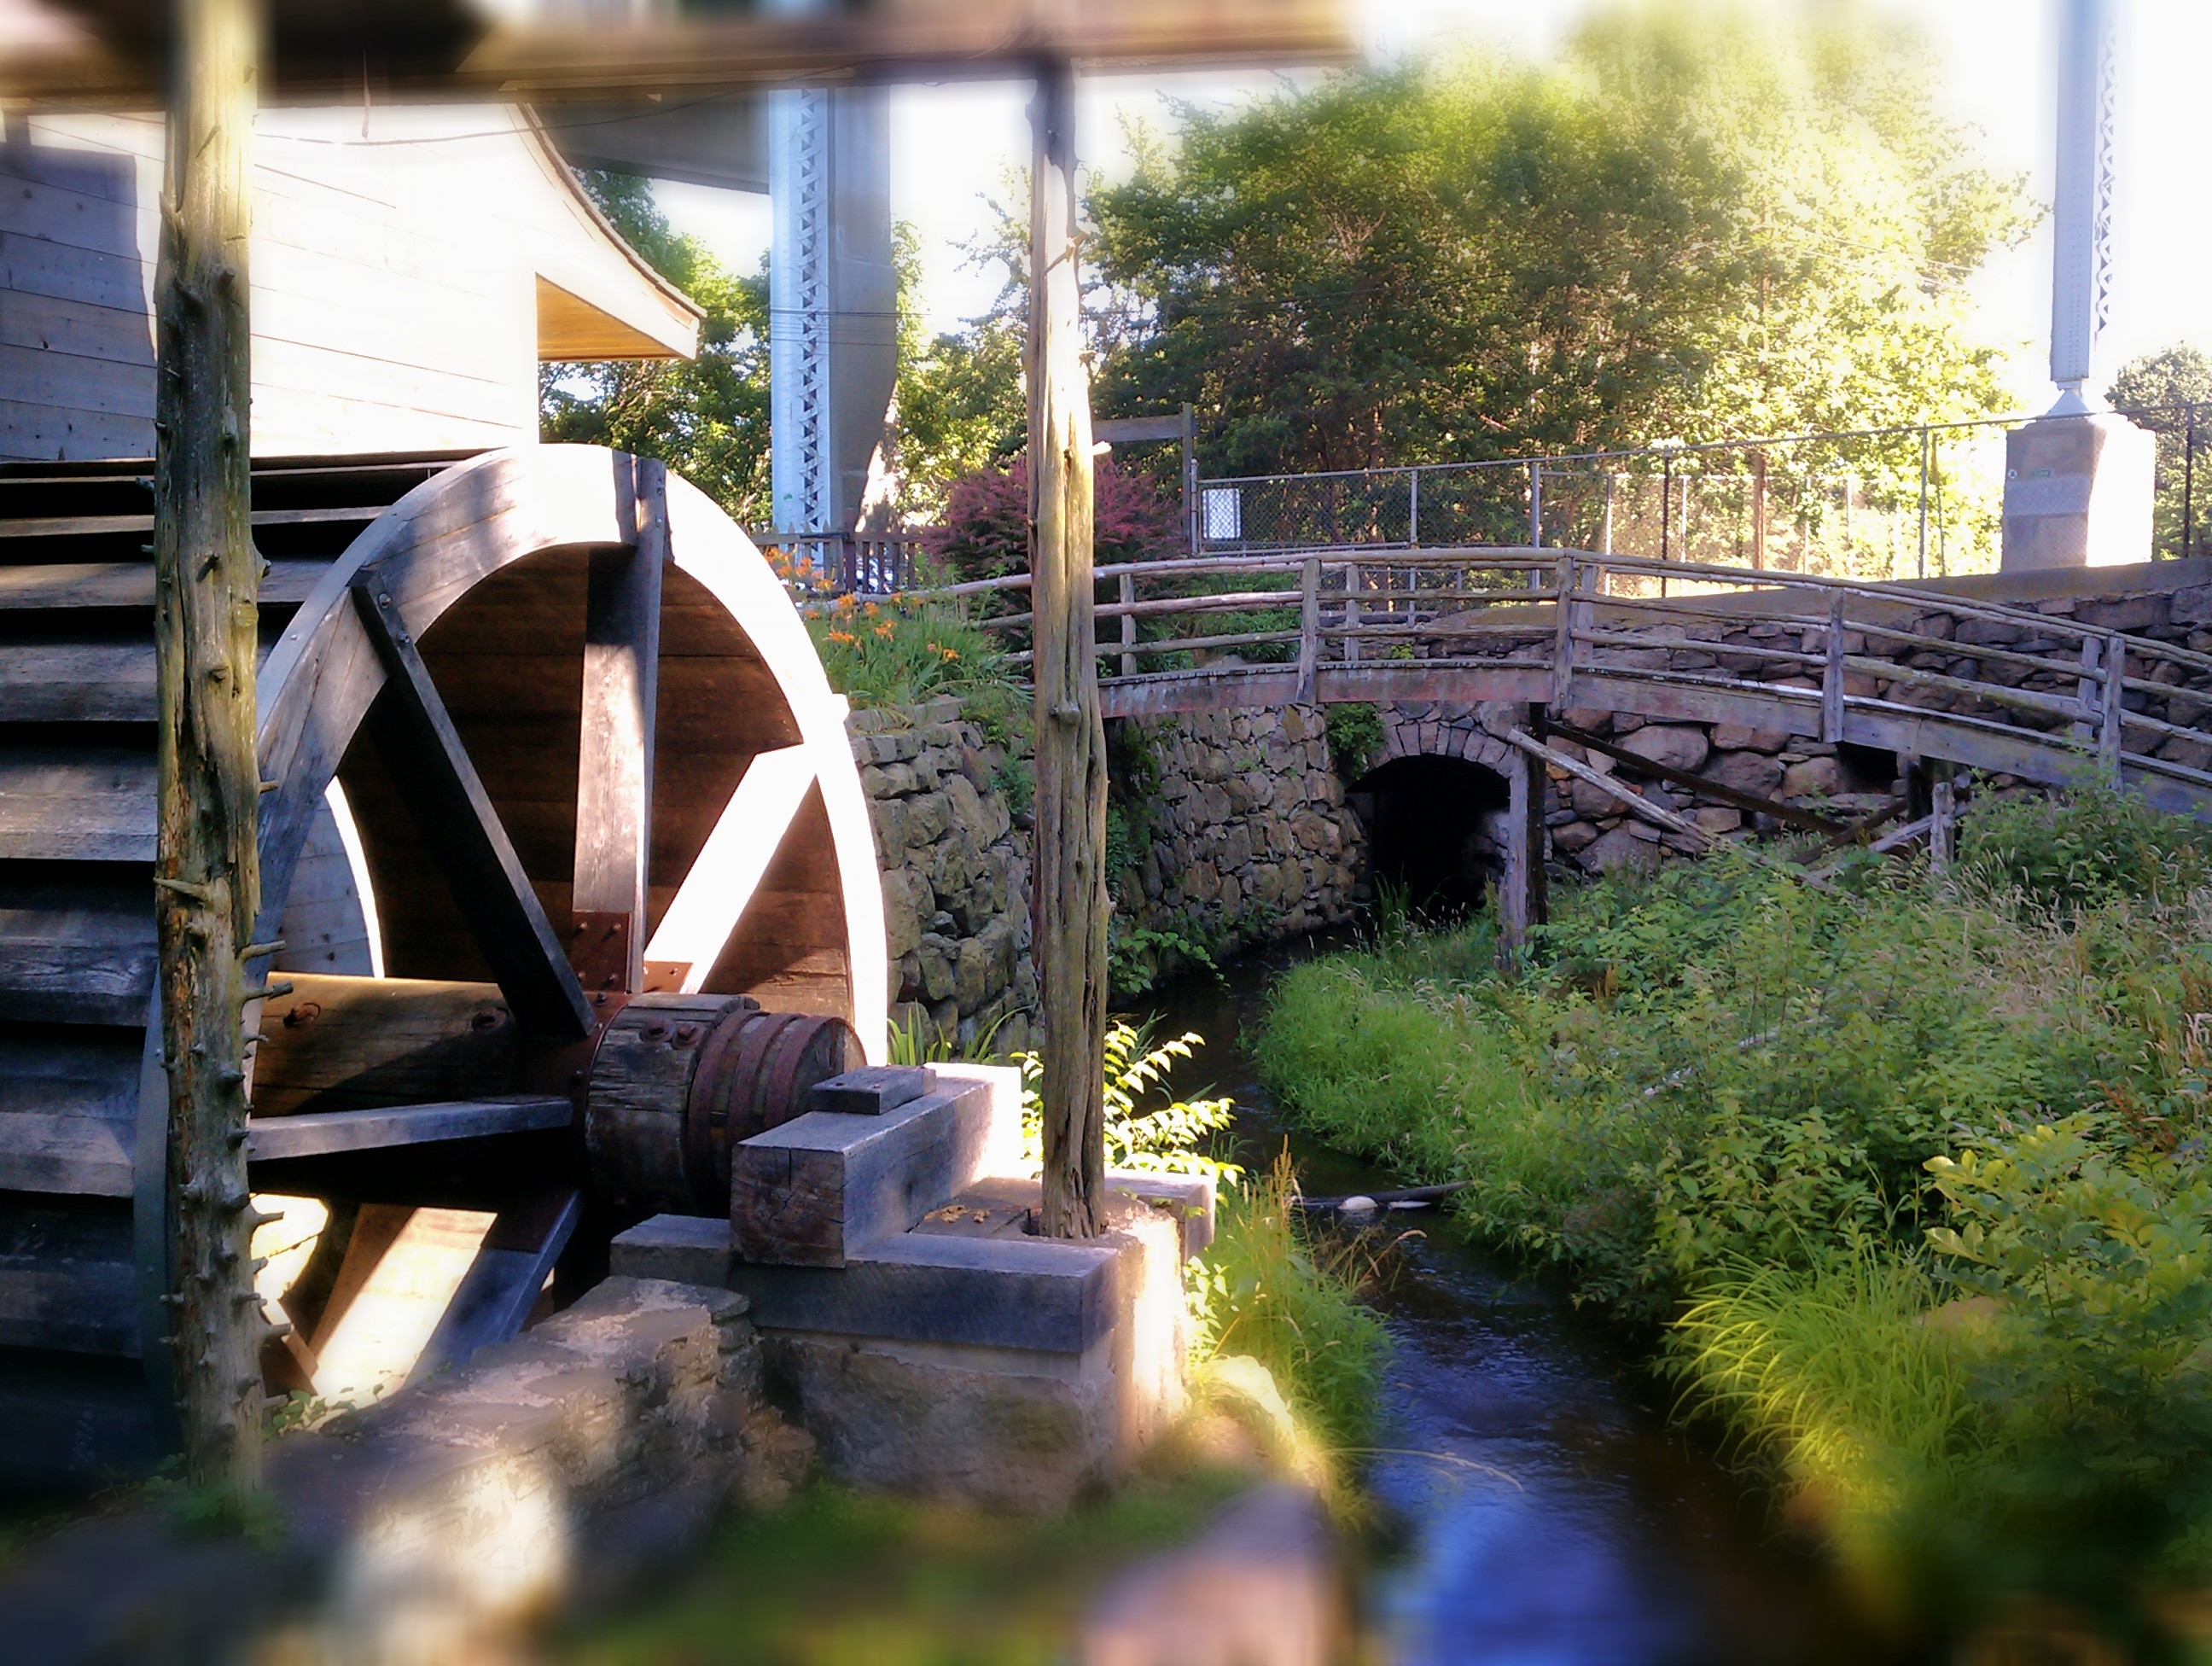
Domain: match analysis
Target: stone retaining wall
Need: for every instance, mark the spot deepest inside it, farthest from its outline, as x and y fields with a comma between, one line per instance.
x=955, y=872
x=1250, y=831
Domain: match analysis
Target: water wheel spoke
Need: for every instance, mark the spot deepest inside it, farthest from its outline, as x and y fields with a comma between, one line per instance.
x=712, y=898
x=614, y=775
x=442, y=794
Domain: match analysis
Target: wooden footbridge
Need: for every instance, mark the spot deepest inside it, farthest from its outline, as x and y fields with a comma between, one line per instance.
x=1982, y=684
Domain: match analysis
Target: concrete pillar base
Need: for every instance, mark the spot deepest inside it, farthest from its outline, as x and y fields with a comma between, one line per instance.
x=2078, y=492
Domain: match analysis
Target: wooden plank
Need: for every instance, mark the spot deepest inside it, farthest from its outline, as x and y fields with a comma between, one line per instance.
x=502, y=1285
x=433, y=773
x=318, y=1133
x=614, y=769
x=76, y=804
x=79, y=1156
x=65, y=586
x=80, y=953
x=355, y=1044
x=77, y=682
x=1702, y=785
x=70, y=1305
x=813, y=1191
x=870, y=1090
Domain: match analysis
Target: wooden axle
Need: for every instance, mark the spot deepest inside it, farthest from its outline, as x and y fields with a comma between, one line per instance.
x=664, y=1088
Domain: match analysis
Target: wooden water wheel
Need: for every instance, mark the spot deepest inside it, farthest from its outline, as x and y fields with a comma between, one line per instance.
x=561, y=837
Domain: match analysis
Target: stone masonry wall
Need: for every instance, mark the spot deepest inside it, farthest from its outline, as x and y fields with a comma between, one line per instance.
x=1250, y=833
x=956, y=873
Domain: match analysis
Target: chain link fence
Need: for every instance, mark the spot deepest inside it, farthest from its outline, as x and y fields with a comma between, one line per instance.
x=1889, y=503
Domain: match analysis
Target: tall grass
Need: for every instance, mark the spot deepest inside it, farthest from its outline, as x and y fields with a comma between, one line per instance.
x=1909, y=1179
x=1272, y=1288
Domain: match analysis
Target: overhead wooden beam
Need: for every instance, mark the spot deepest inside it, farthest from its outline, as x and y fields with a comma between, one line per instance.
x=431, y=771
x=427, y=49
x=614, y=764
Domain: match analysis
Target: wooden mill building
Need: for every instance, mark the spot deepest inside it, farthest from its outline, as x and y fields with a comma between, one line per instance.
x=412, y=267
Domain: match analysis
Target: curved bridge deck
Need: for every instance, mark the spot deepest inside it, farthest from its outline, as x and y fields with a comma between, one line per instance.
x=1990, y=685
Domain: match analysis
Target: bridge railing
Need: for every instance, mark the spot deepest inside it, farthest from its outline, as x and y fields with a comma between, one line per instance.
x=1330, y=624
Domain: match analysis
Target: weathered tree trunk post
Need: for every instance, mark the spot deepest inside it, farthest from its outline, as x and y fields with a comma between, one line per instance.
x=1071, y=738
x=207, y=876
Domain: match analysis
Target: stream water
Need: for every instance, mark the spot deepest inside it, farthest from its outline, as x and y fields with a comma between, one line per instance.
x=1549, y=1515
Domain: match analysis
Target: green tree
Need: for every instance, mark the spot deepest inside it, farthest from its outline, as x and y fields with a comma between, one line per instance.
x=706, y=417
x=1706, y=221
x=2157, y=391
x=961, y=407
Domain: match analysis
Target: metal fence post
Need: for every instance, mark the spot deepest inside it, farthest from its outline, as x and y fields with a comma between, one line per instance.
x=1666, y=509
x=1927, y=440
x=1535, y=503
x=1413, y=507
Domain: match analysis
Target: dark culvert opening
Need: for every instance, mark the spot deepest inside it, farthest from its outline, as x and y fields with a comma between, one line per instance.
x=1435, y=828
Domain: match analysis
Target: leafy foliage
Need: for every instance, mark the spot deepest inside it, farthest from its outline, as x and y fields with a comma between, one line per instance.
x=707, y=417
x=902, y=652
x=985, y=531
x=1709, y=219
x=2096, y=846
x=1355, y=737
x=2148, y=389
x=1168, y=1137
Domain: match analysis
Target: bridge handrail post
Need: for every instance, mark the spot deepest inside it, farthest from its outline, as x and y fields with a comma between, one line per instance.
x=2115, y=679
x=1308, y=624
x=1831, y=673
x=1355, y=612
x=1563, y=647
x=2088, y=690
x=1127, y=591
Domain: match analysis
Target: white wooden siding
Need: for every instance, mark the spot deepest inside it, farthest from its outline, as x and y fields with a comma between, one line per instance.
x=394, y=281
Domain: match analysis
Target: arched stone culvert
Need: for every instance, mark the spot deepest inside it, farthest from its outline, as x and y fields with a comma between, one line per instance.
x=1435, y=829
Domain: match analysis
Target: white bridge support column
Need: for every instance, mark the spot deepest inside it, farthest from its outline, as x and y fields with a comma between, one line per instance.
x=833, y=299
x=2078, y=482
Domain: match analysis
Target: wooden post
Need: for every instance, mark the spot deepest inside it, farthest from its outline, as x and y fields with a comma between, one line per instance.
x=1523, y=901
x=1309, y=625
x=1939, y=822
x=207, y=875
x=1070, y=736
x=1127, y=591
x=2109, y=741
x=1562, y=643
x=1832, y=673
x=1758, y=511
